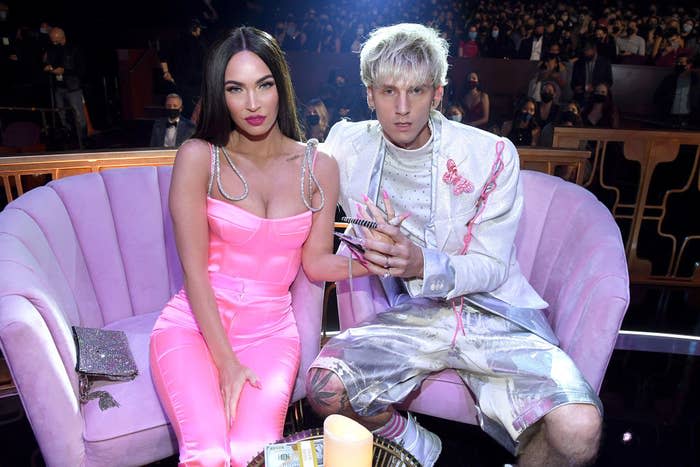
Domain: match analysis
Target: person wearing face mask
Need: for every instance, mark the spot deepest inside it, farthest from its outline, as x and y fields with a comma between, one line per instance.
x=173, y=130
x=547, y=109
x=600, y=110
x=523, y=129
x=690, y=37
x=677, y=99
x=498, y=44
x=476, y=104
x=317, y=120
x=469, y=47
x=455, y=113
x=631, y=48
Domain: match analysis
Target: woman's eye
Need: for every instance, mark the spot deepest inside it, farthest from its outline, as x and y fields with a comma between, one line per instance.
x=233, y=89
x=267, y=84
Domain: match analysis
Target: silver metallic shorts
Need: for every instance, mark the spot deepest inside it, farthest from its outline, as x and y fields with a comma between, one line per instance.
x=516, y=376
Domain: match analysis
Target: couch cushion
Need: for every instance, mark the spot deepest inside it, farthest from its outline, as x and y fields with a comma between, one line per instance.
x=140, y=407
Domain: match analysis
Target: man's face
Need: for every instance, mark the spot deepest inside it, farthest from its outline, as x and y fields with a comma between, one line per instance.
x=403, y=110
x=172, y=103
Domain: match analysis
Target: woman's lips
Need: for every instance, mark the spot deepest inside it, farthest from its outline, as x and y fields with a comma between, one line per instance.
x=256, y=120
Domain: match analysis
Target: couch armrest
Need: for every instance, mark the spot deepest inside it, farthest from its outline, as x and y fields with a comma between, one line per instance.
x=48, y=396
x=307, y=303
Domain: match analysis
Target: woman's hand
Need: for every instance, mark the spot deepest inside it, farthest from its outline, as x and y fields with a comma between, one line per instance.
x=232, y=377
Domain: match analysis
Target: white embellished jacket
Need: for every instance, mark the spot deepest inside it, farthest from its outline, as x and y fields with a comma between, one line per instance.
x=490, y=265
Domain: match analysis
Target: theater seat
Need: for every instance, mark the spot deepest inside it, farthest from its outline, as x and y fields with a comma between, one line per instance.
x=98, y=250
x=570, y=249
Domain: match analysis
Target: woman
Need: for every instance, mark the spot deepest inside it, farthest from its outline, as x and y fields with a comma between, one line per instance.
x=476, y=103
x=600, y=110
x=523, y=130
x=317, y=120
x=469, y=47
x=547, y=109
x=225, y=350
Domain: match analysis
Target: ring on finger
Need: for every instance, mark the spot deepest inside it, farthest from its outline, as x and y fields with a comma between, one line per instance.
x=386, y=274
x=396, y=220
x=386, y=263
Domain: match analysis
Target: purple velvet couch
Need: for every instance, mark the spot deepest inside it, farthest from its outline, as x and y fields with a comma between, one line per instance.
x=570, y=249
x=98, y=250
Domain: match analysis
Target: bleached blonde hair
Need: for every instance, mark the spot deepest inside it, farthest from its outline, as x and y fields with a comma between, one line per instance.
x=404, y=53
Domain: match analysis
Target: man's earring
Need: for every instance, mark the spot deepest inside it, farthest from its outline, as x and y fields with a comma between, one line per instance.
x=369, y=125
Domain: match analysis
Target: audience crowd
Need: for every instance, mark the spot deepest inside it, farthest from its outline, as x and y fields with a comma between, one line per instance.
x=574, y=44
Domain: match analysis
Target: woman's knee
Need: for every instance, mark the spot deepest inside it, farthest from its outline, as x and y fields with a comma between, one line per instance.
x=213, y=456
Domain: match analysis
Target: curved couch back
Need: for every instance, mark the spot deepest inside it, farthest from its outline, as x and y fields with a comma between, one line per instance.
x=90, y=250
x=570, y=249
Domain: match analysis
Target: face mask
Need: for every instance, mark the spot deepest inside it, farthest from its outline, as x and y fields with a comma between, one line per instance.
x=43, y=30
x=526, y=116
x=547, y=97
x=494, y=34
x=599, y=98
x=473, y=84
x=687, y=28
x=679, y=68
x=3, y=15
x=588, y=58
x=472, y=35
x=538, y=35
x=312, y=120
x=173, y=113
x=456, y=118
x=631, y=31
x=569, y=117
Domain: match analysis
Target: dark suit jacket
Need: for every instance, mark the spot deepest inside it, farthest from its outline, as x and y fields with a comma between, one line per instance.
x=525, y=49
x=602, y=72
x=666, y=93
x=185, y=129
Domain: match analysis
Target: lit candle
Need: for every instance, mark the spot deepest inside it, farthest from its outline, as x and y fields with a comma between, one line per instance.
x=346, y=443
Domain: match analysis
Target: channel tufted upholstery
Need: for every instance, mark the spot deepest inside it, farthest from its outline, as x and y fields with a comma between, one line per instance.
x=98, y=250
x=570, y=249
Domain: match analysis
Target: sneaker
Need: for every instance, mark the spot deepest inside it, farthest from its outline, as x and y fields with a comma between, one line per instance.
x=424, y=445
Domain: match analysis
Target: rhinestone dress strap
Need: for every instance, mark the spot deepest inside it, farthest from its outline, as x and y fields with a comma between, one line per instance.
x=211, y=168
x=307, y=165
x=217, y=175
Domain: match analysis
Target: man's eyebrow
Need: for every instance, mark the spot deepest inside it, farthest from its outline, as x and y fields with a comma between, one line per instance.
x=230, y=81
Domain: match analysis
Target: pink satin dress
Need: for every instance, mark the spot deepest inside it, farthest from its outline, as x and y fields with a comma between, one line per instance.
x=252, y=263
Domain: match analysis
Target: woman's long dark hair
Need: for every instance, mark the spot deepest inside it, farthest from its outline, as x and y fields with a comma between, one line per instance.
x=215, y=123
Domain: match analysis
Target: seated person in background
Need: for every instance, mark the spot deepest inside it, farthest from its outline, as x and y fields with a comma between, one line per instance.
x=317, y=120
x=523, y=129
x=677, y=99
x=477, y=109
x=455, y=113
x=569, y=115
x=631, y=48
x=469, y=47
x=600, y=110
x=666, y=51
x=498, y=44
x=173, y=130
x=547, y=109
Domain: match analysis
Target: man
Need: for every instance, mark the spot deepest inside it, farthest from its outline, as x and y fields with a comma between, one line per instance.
x=531, y=48
x=182, y=65
x=172, y=131
x=590, y=72
x=677, y=99
x=631, y=47
x=606, y=46
x=65, y=64
x=442, y=268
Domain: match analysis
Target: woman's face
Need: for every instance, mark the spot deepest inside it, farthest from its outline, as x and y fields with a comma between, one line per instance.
x=529, y=107
x=251, y=94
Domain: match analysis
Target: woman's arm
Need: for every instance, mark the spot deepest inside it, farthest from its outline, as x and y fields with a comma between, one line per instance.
x=188, y=207
x=318, y=260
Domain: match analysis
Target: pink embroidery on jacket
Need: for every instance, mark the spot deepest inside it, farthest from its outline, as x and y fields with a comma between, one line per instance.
x=452, y=177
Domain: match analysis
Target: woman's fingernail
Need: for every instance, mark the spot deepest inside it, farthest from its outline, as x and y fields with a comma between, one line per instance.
x=385, y=194
x=359, y=207
x=365, y=197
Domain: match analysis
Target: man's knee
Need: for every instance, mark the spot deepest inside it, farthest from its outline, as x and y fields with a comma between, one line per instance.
x=325, y=391
x=574, y=430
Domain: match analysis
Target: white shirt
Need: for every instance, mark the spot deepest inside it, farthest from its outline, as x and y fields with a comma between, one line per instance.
x=536, y=53
x=170, y=136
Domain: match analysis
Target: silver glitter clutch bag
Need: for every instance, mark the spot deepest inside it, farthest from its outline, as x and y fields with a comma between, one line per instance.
x=102, y=354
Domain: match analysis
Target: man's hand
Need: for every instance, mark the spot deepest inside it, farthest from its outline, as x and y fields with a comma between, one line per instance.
x=387, y=250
